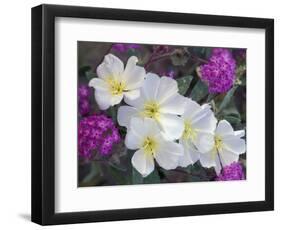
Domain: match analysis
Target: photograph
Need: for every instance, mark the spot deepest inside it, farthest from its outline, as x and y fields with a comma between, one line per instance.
x=154, y=113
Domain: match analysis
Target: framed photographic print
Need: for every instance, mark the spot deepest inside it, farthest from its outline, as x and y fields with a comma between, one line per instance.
x=142, y=114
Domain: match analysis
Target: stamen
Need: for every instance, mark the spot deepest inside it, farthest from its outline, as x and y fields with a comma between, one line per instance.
x=151, y=110
x=116, y=87
x=218, y=142
x=149, y=145
x=189, y=132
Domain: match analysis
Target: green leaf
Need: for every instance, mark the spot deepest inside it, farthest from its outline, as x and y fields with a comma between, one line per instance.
x=231, y=114
x=94, y=172
x=232, y=119
x=90, y=75
x=184, y=83
x=82, y=70
x=152, y=178
x=112, y=112
x=227, y=98
x=208, y=52
x=199, y=91
x=136, y=177
x=118, y=176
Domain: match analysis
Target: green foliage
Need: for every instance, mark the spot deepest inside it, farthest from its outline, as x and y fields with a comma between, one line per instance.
x=93, y=175
x=184, y=83
x=152, y=178
x=227, y=99
x=199, y=91
x=136, y=177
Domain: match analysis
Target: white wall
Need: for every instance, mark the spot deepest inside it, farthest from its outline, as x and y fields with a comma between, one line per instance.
x=15, y=112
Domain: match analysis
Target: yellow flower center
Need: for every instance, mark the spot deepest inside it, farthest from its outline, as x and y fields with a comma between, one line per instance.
x=218, y=146
x=151, y=110
x=149, y=145
x=189, y=132
x=116, y=87
x=218, y=142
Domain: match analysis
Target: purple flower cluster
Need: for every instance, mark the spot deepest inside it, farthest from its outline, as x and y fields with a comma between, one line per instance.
x=84, y=103
x=96, y=133
x=124, y=47
x=233, y=171
x=219, y=72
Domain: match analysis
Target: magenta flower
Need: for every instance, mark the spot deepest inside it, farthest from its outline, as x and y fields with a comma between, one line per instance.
x=97, y=134
x=233, y=171
x=84, y=106
x=83, y=91
x=219, y=72
x=124, y=47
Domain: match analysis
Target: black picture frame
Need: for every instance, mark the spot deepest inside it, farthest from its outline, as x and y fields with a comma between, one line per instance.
x=43, y=114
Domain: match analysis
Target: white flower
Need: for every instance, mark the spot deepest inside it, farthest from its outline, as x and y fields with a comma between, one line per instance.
x=227, y=146
x=114, y=82
x=199, y=126
x=159, y=100
x=145, y=136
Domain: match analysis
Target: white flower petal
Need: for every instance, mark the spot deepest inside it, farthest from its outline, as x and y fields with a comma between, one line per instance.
x=191, y=109
x=133, y=140
x=227, y=157
x=124, y=115
x=143, y=163
x=234, y=144
x=138, y=125
x=150, y=86
x=132, y=95
x=204, y=142
x=208, y=159
x=168, y=154
x=103, y=99
x=173, y=105
x=172, y=125
x=205, y=122
x=151, y=127
x=137, y=102
x=218, y=165
x=133, y=75
x=239, y=133
x=116, y=99
x=167, y=88
x=111, y=66
x=224, y=128
x=190, y=156
x=99, y=84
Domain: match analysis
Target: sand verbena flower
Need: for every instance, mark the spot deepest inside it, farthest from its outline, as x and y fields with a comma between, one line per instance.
x=97, y=134
x=234, y=171
x=219, y=72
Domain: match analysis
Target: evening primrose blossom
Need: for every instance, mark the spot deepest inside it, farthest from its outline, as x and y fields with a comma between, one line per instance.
x=199, y=126
x=159, y=100
x=144, y=136
x=227, y=146
x=114, y=82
